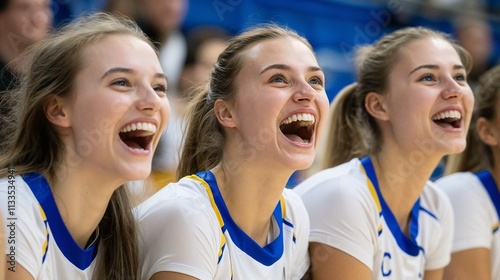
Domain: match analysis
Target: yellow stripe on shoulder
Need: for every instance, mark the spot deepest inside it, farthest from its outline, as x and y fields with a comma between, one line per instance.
x=46, y=242
x=495, y=227
x=44, y=217
x=283, y=207
x=216, y=210
x=211, y=197
x=372, y=190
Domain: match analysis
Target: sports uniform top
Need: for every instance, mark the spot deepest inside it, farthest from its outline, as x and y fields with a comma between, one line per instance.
x=347, y=212
x=476, y=202
x=187, y=228
x=37, y=238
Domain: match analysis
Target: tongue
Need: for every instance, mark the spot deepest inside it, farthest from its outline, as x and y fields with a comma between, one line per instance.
x=132, y=144
x=444, y=124
x=294, y=138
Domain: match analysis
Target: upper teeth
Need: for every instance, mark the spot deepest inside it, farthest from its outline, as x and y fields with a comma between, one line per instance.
x=453, y=114
x=139, y=126
x=299, y=117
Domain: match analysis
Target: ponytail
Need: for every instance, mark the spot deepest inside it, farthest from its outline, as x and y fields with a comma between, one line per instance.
x=343, y=141
x=204, y=138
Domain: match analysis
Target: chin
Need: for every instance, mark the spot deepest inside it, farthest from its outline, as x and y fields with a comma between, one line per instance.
x=456, y=148
x=137, y=174
x=302, y=163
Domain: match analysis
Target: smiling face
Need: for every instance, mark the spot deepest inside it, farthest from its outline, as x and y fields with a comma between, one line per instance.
x=429, y=101
x=119, y=108
x=280, y=104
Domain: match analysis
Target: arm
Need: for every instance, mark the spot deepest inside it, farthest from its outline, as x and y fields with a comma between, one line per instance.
x=178, y=235
x=344, y=222
x=331, y=263
x=437, y=274
x=167, y=275
x=469, y=264
x=19, y=274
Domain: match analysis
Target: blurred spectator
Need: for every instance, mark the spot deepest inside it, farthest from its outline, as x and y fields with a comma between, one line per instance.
x=22, y=23
x=204, y=44
x=161, y=21
x=127, y=8
x=476, y=36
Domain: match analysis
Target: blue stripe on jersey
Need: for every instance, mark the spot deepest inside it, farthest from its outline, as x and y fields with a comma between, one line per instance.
x=71, y=250
x=408, y=245
x=267, y=255
x=429, y=213
x=492, y=189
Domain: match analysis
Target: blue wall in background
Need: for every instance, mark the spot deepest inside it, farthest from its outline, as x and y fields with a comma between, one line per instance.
x=334, y=27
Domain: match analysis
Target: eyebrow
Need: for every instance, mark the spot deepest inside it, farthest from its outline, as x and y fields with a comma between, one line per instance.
x=433, y=66
x=128, y=70
x=286, y=67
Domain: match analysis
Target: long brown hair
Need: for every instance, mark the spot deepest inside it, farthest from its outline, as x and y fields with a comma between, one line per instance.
x=204, y=139
x=35, y=145
x=353, y=132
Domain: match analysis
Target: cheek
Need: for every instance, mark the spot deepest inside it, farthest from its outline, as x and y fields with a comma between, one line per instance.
x=165, y=113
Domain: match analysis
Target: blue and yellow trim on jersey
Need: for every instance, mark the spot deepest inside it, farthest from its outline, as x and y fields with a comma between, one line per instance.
x=217, y=213
x=81, y=258
x=491, y=188
x=405, y=243
x=45, y=246
x=374, y=195
x=266, y=255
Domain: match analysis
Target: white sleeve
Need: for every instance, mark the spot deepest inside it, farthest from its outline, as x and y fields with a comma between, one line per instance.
x=24, y=227
x=470, y=203
x=178, y=234
x=298, y=214
x=343, y=216
x=439, y=254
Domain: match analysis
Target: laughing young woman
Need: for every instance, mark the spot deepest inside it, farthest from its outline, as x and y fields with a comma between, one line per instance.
x=90, y=111
x=377, y=216
x=257, y=121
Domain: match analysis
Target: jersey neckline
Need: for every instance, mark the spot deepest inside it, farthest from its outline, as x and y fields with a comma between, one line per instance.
x=266, y=255
x=81, y=258
x=407, y=244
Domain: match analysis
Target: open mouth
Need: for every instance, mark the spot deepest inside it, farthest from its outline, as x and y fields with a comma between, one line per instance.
x=448, y=119
x=138, y=135
x=298, y=127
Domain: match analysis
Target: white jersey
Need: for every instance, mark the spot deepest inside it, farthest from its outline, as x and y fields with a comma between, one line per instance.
x=476, y=202
x=186, y=228
x=348, y=212
x=37, y=238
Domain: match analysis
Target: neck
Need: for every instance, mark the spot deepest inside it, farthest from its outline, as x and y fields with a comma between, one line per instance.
x=82, y=198
x=251, y=194
x=402, y=180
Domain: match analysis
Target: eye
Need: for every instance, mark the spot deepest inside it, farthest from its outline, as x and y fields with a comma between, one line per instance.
x=121, y=83
x=427, y=78
x=316, y=81
x=160, y=89
x=460, y=77
x=278, y=78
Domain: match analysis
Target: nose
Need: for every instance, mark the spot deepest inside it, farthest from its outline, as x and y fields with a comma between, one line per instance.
x=304, y=93
x=149, y=100
x=452, y=89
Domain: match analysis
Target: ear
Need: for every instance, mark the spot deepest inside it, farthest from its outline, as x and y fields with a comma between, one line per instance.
x=223, y=113
x=374, y=104
x=486, y=132
x=56, y=111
